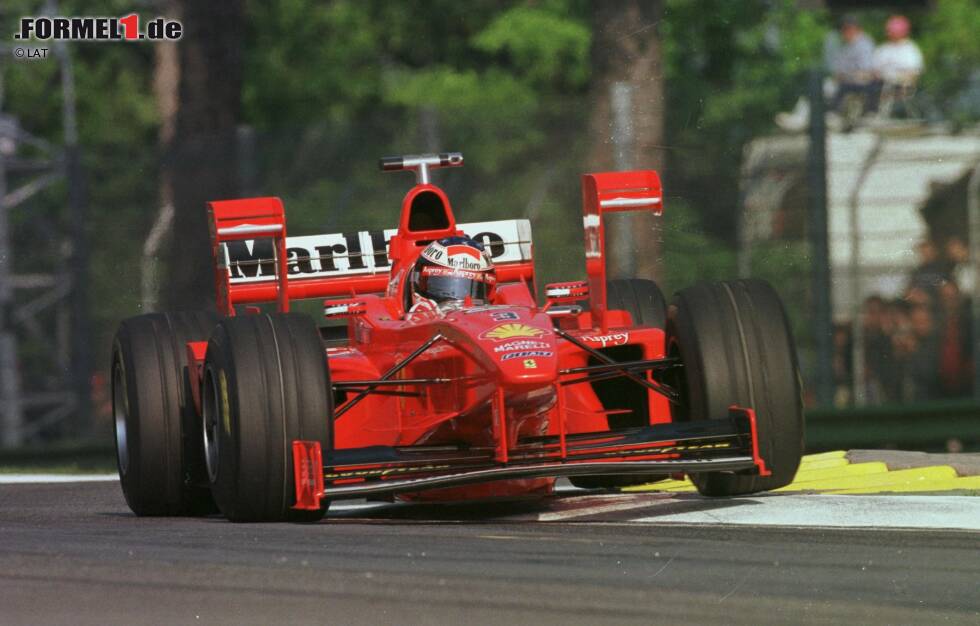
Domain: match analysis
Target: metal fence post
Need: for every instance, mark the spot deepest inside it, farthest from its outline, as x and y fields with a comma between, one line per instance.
x=11, y=410
x=819, y=247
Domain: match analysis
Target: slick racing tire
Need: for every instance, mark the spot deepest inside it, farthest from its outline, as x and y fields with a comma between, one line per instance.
x=736, y=347
x=646, y=304
x=641, y=298
x=158, y=432
x=266, y=384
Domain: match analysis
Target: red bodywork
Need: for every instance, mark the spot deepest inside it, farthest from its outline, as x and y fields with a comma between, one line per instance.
x=501, y=399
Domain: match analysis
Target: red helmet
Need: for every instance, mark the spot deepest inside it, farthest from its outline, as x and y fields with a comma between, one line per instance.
x=454, y=268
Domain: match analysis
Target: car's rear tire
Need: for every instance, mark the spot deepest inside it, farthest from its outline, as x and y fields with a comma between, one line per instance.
x=266, y=384
x=646, y=304
x=158, y=432
x=641, y=298
x=736, y=347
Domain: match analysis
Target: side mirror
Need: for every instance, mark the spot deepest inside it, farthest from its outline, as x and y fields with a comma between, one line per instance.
x=338, y=309
x=563, y=293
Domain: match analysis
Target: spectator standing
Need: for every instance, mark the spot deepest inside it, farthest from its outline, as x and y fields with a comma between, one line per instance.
x=894, y=322
x=877, y=349
x=962, y=271
x=955, y=363
x=923, y=364
x=931, y=272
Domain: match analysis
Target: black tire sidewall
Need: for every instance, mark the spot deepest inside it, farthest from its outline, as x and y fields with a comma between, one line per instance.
x=277, y=382
x=736, y=346
x=639, y=297
x=162, y=477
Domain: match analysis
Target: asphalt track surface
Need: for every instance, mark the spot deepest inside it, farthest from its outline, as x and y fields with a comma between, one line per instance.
x=72, y=553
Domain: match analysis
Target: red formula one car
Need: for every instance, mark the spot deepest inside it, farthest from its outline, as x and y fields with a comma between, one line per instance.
x=428, y=392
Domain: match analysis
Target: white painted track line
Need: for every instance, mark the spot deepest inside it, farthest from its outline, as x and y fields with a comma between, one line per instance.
x=27, y=479
x=946, y=512
x=805, y=510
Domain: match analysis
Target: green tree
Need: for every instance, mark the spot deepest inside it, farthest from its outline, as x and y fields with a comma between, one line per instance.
x=730, y=67
x=951, y=46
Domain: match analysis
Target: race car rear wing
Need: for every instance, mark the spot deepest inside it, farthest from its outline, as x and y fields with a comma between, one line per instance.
x=248, y=238
x=606, y=193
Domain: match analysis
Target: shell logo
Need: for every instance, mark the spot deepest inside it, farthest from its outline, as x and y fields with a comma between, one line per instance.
x=512, y=331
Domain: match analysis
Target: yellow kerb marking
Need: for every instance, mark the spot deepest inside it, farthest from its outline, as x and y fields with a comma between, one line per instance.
x=912, y=477
x=806, y=478
x=814, y=465
x=830, y=472
x=822, y=456
x=963, y=482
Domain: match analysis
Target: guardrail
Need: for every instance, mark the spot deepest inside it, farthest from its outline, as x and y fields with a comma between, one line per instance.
x=926, y=427
x=98, y=455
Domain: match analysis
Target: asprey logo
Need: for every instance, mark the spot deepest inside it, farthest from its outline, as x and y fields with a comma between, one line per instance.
x=512, y=331
x=61, y=28
x=612, y=339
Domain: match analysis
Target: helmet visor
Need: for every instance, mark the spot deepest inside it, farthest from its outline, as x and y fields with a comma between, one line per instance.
x=442, y=284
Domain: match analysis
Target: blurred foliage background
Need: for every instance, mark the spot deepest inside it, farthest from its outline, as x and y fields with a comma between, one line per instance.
x=322, y=89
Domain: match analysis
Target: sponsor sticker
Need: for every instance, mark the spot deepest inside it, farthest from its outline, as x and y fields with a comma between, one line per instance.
x=522, y=344
x=525, y=354
x=612, y=339
x=483, y=277
x=360, y=252
x=530, y=364
x=512, y=331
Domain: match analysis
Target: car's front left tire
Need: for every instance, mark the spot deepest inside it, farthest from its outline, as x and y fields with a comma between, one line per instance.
x=266, y=383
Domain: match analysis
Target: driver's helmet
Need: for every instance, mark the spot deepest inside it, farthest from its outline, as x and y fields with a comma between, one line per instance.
x=453, y=269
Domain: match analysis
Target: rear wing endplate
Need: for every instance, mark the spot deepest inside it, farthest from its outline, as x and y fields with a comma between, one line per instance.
x=251, y=219
x=605, y=193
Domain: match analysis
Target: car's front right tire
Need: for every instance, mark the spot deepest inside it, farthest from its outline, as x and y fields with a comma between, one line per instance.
x=736, y=347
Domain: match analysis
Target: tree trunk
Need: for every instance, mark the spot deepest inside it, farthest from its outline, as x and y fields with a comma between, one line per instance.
x=627, y=62
x=202, y=162
x=166, y=91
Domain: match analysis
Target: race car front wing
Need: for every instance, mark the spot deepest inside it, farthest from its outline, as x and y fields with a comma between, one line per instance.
x=728, y=444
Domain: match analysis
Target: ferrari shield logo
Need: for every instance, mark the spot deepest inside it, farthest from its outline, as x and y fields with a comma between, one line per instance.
x=512, y=331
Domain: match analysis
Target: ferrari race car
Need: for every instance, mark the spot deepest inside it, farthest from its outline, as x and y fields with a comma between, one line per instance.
x=267, y=415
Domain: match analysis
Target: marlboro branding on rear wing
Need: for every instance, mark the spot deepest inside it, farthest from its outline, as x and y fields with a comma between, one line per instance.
x=248, y=237
x=360, y=252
